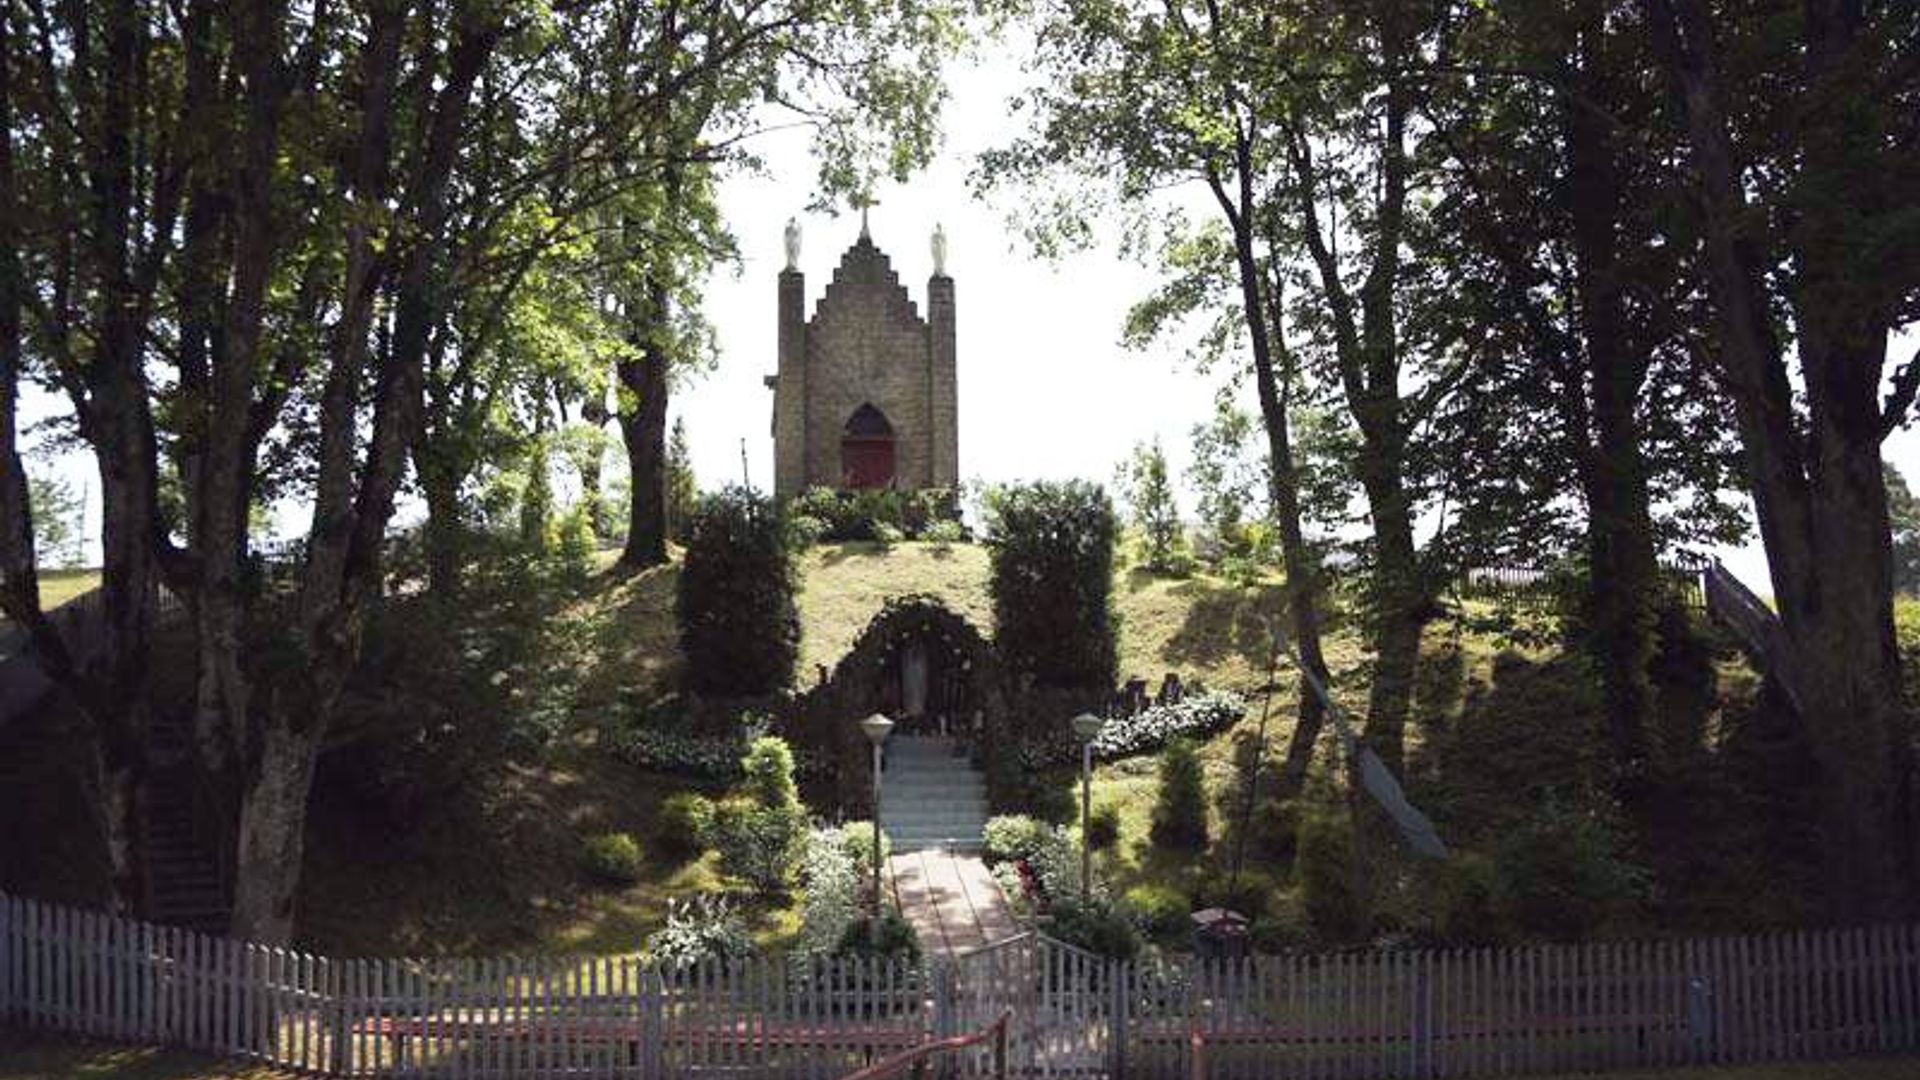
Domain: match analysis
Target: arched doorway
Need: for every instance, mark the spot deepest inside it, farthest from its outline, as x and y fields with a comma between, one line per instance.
x=866, y=449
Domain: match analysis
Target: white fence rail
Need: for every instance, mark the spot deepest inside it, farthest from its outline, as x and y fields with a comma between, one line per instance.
x=1357, y=1016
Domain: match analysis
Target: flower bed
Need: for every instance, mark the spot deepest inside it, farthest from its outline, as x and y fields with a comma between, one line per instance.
x=1143, y=732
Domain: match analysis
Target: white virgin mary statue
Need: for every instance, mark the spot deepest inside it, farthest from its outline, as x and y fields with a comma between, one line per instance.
x=913, y=679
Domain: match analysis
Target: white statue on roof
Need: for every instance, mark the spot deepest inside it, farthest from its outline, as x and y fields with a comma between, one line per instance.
x=793, y=244
x=939, y=250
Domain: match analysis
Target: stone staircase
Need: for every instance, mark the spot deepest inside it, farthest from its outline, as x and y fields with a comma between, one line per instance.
x=931, y=796
x=185, y=885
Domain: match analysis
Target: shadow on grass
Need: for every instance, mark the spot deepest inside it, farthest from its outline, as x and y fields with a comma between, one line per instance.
x=1224, y=621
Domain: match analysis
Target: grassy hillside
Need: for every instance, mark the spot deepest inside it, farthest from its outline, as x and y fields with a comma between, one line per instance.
x=471, y=765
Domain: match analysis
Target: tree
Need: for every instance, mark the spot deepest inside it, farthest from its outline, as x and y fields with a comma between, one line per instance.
x=683, y=492
x=1050, y=553
x=739, y=627
x=1798, y=126
x=1145, y=489
x=1225, y=478
x=1180, y=802
x=1137, y=102
x=1903, y=514
x=55, y=513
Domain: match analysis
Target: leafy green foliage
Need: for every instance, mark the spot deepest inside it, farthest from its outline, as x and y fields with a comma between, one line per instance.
x=1011, y=837
x=1051, y=551
x=759, y=831
x=1323, y=868
x=1103, y=827
x=683, y=824
x=1159, y=910
x=891, y=937
x=1153, y=511
x=683, y=491
x=56, y=521
x=884, y=514
x=739, y=628
x=613, y=858
x=1098, y=926
x=1180, y=803
x=1903, y=514
x=1561, y=875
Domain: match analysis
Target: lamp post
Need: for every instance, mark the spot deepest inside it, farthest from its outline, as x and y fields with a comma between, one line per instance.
x=876, y=728
x=1086, y=726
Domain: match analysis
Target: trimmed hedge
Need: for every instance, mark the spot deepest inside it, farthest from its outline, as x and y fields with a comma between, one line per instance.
x=1051, y=551
x=739, y=626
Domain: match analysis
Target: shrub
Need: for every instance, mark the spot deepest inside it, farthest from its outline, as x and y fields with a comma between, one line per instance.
x=1180, y=806
x=613, y=858
x=1051, y=552
x=856, y=839
x=945, y=531
x=683, y=823
x=1323, y=867
x=757, y=844
x=892, y=938
x=1011, y=837
x=805, y=530
x=1096, y=927
x=739, y=628
x=888, y=534
x=1103, y=827
x=768, y=771
x=1561, y=875
x=574, y=547
x=833, y=891
x=1159, y=910
x=704, y=928
x=1283, y=930
x=1055, y=864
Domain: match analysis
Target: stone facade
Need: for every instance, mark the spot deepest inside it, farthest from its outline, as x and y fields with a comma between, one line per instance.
x=866, y=344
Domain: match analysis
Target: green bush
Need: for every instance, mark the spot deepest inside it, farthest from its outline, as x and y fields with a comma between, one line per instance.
x=1103, y=827
x=768, y=771
x=1011, y=837
x=683, y=823
x=1180, y=806
x=946, y=531
x=893, y=939
x=1160, y=910
x=882, y=514
x=856, y=839
x=1323, y=868
x=1051, y=550
x=574, y=547
x=805, y=530
x=757, y=844
x=739, y=628
x=1282, y=931
x=1096, y=927
x=1561, y=875
x=613, y=858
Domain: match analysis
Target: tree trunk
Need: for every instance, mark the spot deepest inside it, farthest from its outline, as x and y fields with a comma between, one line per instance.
x=445, y=531
x=1817, y=484
x=1623, y=587
x=272, y=831
x=643, y=428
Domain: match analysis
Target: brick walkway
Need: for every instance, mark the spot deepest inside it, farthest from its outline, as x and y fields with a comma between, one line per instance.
x=951, y=900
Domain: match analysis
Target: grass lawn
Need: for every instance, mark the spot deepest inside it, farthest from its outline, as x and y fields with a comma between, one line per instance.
x=59, y=586
x=28, y=1055
x=34, y=1056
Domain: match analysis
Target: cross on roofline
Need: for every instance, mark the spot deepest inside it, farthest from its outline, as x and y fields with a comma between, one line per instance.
x=862, y=201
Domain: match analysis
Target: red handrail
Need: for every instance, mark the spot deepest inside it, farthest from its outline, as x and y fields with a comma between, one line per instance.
x=898, y=1064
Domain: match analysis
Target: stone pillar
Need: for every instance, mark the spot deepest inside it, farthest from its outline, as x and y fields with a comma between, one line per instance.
x=943, y=430
x=790, y=389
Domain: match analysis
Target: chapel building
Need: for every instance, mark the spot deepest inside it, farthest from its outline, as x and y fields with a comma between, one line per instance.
x=866, y=395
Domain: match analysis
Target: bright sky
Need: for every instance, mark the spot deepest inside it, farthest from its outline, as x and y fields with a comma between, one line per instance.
x=1045, y=388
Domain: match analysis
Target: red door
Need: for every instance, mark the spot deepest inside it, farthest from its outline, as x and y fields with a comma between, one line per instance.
x=867, y=463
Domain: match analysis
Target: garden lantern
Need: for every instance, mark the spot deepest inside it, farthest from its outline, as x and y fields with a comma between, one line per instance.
x=1086, y=726
x=876, y=728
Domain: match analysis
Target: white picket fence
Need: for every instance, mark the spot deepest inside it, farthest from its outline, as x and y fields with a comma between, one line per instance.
x=1356, y=1016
